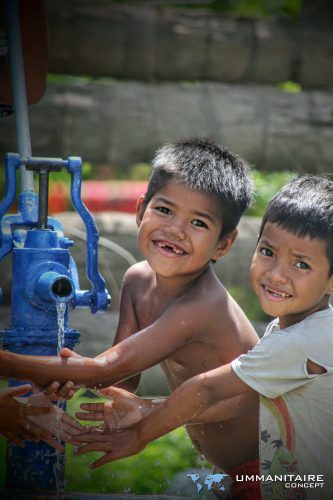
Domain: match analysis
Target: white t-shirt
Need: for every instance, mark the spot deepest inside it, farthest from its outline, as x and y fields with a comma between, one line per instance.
x=296, y=408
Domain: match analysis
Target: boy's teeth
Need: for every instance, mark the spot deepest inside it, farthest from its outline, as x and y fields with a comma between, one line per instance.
x=176, y=250
x=279, y=294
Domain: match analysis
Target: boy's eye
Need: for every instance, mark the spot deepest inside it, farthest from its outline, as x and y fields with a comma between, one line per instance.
x=164, y=210
x=266, y=251
x=199, y=223
x=302, y=265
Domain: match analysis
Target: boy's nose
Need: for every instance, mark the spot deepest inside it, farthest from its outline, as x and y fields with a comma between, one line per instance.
x=175, y=232
x=277, y=273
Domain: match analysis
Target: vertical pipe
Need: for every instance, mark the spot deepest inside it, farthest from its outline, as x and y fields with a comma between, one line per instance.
x=16, y=61
x=43, y=199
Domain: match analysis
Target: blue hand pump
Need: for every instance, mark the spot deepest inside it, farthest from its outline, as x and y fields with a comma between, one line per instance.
x=44, y=274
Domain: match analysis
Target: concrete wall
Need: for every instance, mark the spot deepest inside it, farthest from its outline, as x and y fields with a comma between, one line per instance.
x=153, y=42
x=121, y=123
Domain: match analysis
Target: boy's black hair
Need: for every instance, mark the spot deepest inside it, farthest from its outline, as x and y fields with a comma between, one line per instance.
x=204, y=166
x=304, y=207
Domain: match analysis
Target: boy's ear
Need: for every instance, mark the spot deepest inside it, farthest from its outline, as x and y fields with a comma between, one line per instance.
x=224, y=245
x=330, y=286
x=140, y=209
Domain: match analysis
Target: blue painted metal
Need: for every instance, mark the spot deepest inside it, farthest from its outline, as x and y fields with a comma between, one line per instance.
x=44, y=274
x=38, y=268
x=99, y=299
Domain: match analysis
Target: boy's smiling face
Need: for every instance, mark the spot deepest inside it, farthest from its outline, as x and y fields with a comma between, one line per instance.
x=179, y=231
x=290, y=274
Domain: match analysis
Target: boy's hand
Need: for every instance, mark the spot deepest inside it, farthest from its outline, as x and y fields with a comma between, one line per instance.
x=67, y=353
x=125, y=409
x=115, y=445
x=56, y=391
x=14, y=417
x=59, y=426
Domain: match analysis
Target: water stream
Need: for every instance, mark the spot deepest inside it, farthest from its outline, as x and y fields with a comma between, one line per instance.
x=60, y=459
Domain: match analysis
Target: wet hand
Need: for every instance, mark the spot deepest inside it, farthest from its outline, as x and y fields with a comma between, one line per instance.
x=58, y=425
x=115, y=445
x=56, y=391
x=14, y=416
x=67, y=353
x=124, y=410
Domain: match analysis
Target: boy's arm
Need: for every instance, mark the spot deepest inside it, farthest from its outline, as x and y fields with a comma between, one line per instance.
x=127, y=326
x=185, y=405
x=227, y=408
x=126, y=409
x=146, y=348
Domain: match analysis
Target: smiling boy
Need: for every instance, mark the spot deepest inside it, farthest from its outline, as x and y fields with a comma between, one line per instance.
x=291, y=367
x=174, y=310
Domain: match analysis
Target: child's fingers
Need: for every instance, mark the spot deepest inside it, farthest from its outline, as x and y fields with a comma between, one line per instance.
x=85, y=448
x=14, y=438
x=108, y=457
x=34, y=431
x=51, y=389
x=91, y=436
x=71, y=431
x=67, y=353
x=89, y=416
x=71, y=424
x=27, y=433
x=66, y=391
x=26, y=410
x=92, y=406
x=55, y=444
x=113, y=392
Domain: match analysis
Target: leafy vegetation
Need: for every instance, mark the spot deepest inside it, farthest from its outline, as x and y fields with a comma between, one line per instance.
x=249, y=302
x=242, y=8
x=291, y=87
x=266, y=185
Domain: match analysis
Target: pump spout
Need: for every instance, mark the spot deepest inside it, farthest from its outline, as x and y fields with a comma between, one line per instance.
x=54, y=287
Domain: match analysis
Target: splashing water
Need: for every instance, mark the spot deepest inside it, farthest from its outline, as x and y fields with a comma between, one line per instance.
x=59, y=465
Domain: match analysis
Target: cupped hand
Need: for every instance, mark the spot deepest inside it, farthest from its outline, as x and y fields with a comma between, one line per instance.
x=124, y=410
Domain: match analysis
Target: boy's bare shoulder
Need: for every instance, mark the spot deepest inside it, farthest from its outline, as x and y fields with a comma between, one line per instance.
x=207, y=298
x=209, y=290
x=139, y=272
x=209, y=303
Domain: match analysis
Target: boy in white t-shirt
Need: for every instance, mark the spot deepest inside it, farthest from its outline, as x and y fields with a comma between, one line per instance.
x=292, y=365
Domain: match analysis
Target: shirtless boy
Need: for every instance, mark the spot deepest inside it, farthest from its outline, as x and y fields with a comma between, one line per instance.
x=174, y=310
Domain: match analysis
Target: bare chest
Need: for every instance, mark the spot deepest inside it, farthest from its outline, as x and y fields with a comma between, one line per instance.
x=190, y=360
